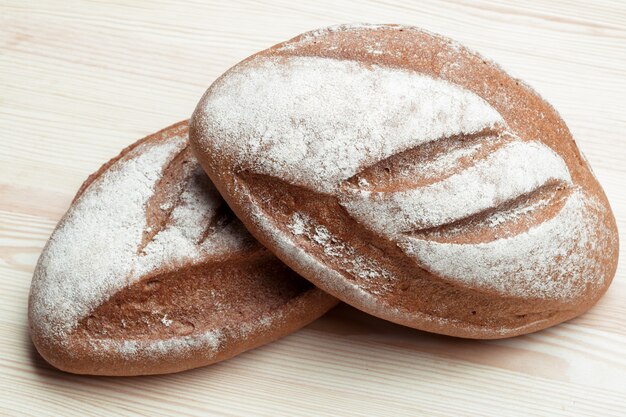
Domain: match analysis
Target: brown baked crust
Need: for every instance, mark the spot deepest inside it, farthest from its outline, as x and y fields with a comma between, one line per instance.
x=176, y=129
x=418, y=298
x=178, y=316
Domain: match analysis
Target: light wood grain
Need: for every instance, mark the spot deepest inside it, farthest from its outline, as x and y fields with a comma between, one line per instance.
x=80, y=80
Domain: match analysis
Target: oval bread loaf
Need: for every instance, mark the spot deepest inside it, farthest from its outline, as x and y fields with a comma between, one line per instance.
x=150, y=272
x=411, y=178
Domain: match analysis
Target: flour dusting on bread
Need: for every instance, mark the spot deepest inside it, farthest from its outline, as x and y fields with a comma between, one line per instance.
x=150, y=272
x=93, y=252
x=315, y=122
x=422, y=156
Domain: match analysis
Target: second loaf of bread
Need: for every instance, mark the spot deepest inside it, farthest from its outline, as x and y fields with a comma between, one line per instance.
x=412, y=178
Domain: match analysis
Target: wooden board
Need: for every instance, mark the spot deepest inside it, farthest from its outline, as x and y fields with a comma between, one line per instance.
x=79, y=80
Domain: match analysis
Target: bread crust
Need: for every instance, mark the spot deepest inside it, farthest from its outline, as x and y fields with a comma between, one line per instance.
x=300, y=211
x=231, y=296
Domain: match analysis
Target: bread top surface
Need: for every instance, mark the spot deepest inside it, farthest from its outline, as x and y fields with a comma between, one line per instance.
x=149, y=267
x=389, y=165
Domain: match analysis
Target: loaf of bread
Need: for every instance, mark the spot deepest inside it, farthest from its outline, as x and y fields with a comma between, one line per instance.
x=150, y=272
x=411, y=178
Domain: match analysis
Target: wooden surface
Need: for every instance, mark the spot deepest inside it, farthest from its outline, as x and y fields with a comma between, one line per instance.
x=81, y=80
